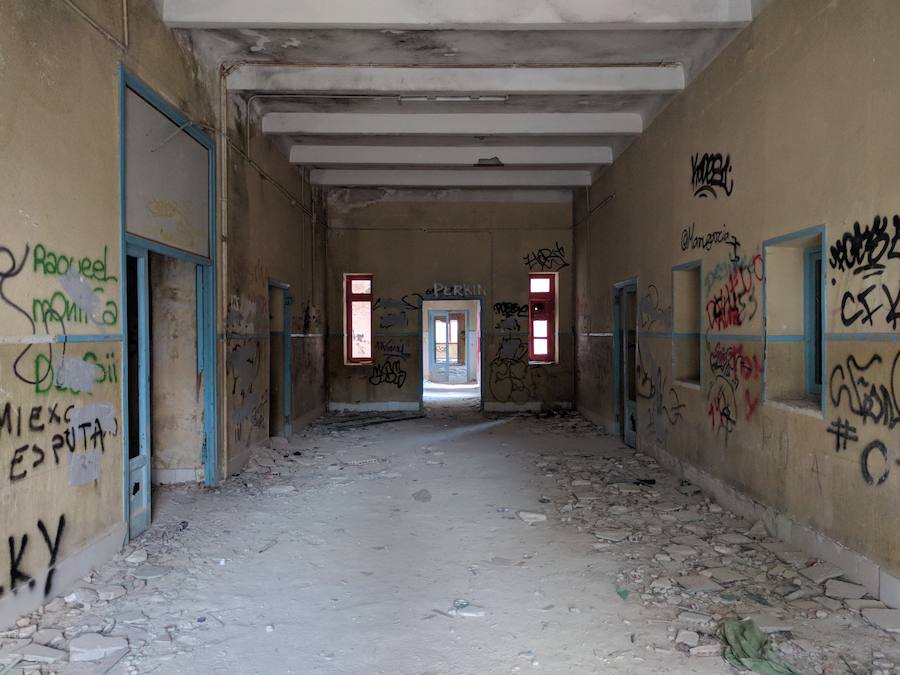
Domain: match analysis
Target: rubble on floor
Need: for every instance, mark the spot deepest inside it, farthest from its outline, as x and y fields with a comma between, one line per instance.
x=702, y=566
x=684, y=561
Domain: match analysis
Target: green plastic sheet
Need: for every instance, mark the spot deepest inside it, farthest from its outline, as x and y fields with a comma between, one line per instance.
x=747, y=648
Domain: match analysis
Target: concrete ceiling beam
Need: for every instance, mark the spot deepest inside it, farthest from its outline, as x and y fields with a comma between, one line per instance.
x=356, y=155
x=457, y=14
x=455, y=81
x=444, y=124
x=450, y=178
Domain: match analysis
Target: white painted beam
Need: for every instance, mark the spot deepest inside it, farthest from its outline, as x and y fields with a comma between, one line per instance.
x=393, y=155
x=449, y=178
x=457, y=14
x=408, y=80
x=469, y=124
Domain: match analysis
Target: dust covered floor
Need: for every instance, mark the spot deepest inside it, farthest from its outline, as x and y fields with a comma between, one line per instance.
x=400, y=548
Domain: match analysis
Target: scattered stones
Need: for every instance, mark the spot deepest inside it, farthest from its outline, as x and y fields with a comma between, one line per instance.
x=844, y=590
x=82, y=596
x=612, y=535
x=531, y=517
x=94, y=647
x=422, y=496
x=687, y=637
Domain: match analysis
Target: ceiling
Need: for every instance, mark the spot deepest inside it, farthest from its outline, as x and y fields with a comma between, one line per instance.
x=458, y=93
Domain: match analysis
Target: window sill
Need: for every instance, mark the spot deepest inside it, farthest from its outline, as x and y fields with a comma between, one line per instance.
x=805, y=406
x=689, y=384
x=542, y=363
x=358, y=363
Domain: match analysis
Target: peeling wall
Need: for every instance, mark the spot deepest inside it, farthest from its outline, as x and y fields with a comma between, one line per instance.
x=61, y=489
x=275, y=232
x=467, y=244
x=794, y=126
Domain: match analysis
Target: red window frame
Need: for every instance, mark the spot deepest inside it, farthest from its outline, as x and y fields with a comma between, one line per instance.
x=349, y=298
x=542, y=307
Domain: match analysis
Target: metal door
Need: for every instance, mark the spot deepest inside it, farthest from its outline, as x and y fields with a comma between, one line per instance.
x=625, y=321
x=138, y=371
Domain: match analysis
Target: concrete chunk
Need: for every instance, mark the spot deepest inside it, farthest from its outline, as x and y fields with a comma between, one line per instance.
x=698, y=583
x=93, y=647
x=39, y=653
x=886, y=619
x=531, y=517
x=843, y=590
x=770, y=623
x=822, y=572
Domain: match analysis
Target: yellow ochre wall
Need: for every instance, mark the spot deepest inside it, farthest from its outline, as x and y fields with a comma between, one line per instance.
x=803, y=107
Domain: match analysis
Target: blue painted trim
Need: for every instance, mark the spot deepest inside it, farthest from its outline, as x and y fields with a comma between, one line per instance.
x=164, y=249
x=810, y=257
x=732, y=337
x=87, y=338
x=863, y=337
x=821, y=232
x=687, y=265
x=685, y=336
x=123, y=308
x=786, y=338
x=206, y=276
x=800, y=234
x=618, y=406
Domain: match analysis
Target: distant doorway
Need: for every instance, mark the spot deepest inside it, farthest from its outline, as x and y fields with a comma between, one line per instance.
x=451, y=348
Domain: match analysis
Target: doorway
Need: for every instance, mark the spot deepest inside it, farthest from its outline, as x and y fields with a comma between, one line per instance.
x=280, y=300
x=168, y=301
x=451, y=349
x=625, y=359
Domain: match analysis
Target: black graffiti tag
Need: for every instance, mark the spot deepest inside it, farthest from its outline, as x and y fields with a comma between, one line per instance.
x=547, y=259
x=864, y=250
x=709, y=172
x=389, y=372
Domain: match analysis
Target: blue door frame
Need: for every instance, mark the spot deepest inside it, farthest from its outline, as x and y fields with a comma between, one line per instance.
x=432, y=338
x=139, y=248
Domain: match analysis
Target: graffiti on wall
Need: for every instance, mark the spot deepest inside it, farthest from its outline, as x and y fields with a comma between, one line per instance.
x=508, y=315
x=396, y=313
x=652, y=314
x=735, y=303
x=711, y=175
x=393, y=348
x=242, y=367
x=389, y=372
x=864, y=391
x=735, y=390
x=547, y=259
x=440, y=290
x=18, y=545
x=652, y=385
x=511, y=379
x=867, y=259
x=691, y=241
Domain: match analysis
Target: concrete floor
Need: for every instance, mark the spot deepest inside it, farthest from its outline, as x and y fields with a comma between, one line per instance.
x=397, y=549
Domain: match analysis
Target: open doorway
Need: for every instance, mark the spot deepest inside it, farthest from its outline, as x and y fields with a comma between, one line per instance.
x=280, y=300
x=625, y=359
x=451, y=354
